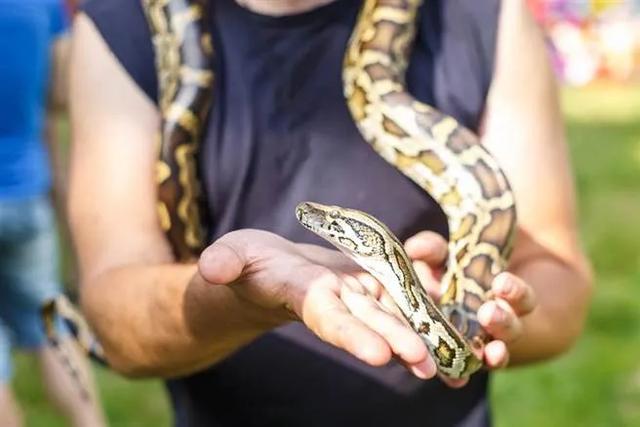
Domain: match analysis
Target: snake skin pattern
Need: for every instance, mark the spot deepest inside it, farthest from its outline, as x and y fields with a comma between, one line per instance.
x=184, y=55
x=430, y=148
x=184, y=62
x=447, y=161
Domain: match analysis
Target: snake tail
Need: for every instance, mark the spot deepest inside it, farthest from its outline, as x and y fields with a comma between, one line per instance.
x=60, y=308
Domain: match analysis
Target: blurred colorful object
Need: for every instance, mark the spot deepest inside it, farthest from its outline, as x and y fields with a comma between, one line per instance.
x=72, y=6
x=595, y=39
x=598, y=6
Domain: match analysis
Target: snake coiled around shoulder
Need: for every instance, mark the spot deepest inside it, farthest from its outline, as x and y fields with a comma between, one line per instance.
x=430, y=148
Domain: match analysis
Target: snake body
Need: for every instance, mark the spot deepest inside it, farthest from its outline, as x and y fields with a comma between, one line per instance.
x=184, y=55
x=428, y=147
x=446, y=160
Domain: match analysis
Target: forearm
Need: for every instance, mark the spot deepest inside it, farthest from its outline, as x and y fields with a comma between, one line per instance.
x=166, y=321
x=563, y=291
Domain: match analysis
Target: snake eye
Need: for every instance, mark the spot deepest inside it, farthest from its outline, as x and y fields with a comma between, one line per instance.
x=335, y=227
x=334, y=214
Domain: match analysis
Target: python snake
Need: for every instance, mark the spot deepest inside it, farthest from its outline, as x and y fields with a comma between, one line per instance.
x=184, y=57
x=446, y=160
x=428, y=147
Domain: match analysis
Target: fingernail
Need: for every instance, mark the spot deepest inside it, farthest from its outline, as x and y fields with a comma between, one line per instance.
x=505, y=286
x=497, y=316
x=490, y=313
x=425, y=369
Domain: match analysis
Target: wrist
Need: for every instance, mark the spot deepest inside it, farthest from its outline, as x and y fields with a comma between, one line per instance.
x=206, y=303
x=260, y=318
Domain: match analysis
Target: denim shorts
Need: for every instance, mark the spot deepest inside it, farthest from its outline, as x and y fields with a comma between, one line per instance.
x=28, y=274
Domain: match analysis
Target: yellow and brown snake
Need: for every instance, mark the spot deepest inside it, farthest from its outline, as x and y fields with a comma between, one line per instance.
x=430, y=148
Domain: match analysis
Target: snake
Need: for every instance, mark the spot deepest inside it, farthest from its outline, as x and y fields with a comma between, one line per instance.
x=427, y=146
x=447, y=161
x=184, y=61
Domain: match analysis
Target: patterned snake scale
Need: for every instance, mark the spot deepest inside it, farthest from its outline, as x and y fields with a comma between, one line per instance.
x=430, y=148
x=441, y=157
x=184, y=55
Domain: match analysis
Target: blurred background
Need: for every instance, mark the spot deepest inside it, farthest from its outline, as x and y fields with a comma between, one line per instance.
x=595, y=48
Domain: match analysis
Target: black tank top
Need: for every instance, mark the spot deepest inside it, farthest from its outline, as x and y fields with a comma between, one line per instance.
x=280, y=133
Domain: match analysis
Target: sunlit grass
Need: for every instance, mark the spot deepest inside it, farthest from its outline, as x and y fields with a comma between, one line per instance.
x=602, y=102
x=598, y=382
x=126, y=403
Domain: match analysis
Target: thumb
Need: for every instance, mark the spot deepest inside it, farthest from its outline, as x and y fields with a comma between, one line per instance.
x=427, y=246
x=223, y=262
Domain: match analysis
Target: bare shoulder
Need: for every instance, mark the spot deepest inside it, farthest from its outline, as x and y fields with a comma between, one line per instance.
x=96, y=73
x=112, y=189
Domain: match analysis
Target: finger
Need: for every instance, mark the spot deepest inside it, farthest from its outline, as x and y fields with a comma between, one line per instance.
x=427, y=279
x=403, y=342
x=427, y=246
x=388, y=304
x=373, y=286
x=327, y=316
x=454, y=382
x=499, y=320
x=377, y=291
x=365, y=284
x=423, y=370
x=516, y=292
x=354, y=284
x=222, y=262
x=496, y=355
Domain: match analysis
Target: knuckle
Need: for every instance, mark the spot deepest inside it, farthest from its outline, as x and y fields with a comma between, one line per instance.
x=515, y=331
x=519, y=291
x=336, y=332
x=510, y=330
x=353, y=284
x=319, y=275
x=284, y=293
x=531, y=298
x=320, y=325
x=372, y=285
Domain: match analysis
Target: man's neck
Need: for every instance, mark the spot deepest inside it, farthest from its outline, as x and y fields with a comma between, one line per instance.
x=281, y=7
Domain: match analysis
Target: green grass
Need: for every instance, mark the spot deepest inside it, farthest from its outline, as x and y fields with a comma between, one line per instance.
x=598, y=382
x=126, y=403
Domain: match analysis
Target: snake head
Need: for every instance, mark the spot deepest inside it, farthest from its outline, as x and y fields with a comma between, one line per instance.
x=352, y=231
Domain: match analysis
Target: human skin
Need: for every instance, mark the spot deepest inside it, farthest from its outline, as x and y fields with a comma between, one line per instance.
x=157, y=317
x=60, y=386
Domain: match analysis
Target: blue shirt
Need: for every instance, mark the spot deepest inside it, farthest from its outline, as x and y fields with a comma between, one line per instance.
x=279, y=133
x=27, y=31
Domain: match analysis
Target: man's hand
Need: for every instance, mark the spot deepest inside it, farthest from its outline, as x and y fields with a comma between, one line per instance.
x=337, y=301
x=500, y=316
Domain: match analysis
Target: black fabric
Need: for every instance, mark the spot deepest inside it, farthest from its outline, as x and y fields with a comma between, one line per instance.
x=280, y=133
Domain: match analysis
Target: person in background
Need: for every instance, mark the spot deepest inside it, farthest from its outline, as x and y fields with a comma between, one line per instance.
x=33, y=48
